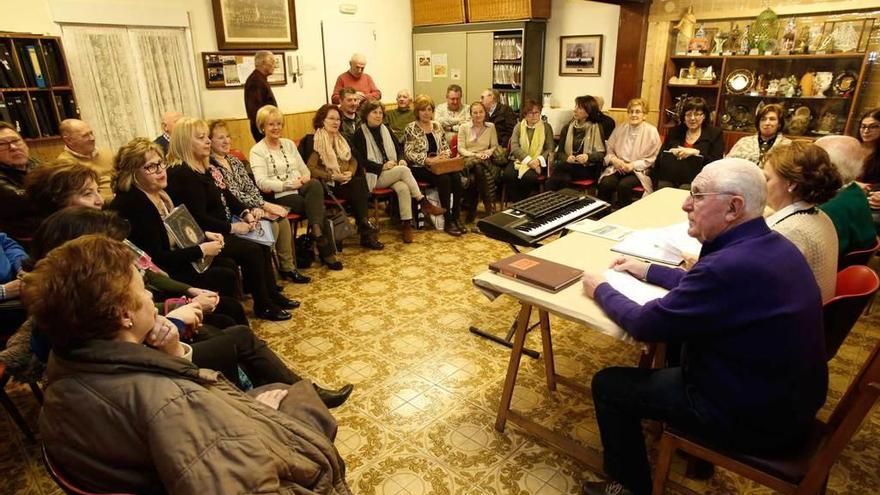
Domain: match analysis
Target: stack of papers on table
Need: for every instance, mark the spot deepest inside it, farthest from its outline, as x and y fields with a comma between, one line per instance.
x=664, y=245
x=633, y=288
x=600, y=229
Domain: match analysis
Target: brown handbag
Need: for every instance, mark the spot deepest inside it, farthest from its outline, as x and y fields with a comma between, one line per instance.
x=447, y=165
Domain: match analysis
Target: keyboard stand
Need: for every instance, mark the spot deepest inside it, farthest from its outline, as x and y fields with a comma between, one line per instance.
x=507, y=341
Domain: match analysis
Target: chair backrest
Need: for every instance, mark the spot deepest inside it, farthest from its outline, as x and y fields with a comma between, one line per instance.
x=238, y=154
x=62, y=480
x=860, y=256
x=856, y=285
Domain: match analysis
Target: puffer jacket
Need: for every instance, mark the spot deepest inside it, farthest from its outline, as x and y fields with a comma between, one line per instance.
x=121, y=416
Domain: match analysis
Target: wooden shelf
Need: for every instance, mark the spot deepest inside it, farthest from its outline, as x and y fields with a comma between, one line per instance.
x=819, y=98
x=42, y=139
x=799, y=56
x=700, y=57
x=703, y=86
x=507, y=61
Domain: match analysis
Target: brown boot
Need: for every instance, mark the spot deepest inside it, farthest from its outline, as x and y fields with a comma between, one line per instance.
x=407, y=232
x=429, y=208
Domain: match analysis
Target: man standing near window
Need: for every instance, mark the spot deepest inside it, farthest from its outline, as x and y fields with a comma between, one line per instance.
x=257, y=92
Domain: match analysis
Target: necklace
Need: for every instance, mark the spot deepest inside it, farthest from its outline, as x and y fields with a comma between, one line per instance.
x=275, y=166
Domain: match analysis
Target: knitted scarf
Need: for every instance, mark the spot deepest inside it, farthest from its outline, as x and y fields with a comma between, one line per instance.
x=374, y=154
x=533, y=146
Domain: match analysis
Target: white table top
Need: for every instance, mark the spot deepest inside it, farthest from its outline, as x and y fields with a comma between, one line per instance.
x=591, y=254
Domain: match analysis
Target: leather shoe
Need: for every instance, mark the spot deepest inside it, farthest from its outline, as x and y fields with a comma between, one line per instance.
x=334, y=398
x=430, y=208
x=296, y=277
x=332, y=263
x=285, y=303
x=461, y=227
x=371, y=242
x=451, y=228
x=272, y=314
x=604, y=488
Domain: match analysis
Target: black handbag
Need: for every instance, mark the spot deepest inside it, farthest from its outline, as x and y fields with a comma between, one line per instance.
x=305, y=250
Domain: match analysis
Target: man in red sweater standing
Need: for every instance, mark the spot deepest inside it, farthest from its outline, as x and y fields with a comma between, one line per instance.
x=356, y=78
x=257, y=92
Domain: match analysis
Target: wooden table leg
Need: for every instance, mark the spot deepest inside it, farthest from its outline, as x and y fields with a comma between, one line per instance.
x=519, y=338
x=549, y=365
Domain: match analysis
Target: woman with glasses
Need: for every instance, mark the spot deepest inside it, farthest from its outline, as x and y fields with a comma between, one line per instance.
x=632, y=149
x=280, y=172
x=191, y=182
x=581, y=149
x=531, y=147
x=235, y=176
x=330, y=160
x=769, y=122
x=688, y=147
x=869, y=136
x=381, y=155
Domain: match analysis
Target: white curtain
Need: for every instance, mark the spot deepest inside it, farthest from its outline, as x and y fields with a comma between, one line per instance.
x=103, y=73
x=125, y=78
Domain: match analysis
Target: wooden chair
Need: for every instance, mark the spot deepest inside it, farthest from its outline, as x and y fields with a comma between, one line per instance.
x=380, y=194
x=63, y=482
x=859, y=257
x=804, y=471
x=856, y=286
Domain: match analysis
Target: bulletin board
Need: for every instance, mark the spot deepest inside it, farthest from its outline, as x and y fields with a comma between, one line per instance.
x=229, y=70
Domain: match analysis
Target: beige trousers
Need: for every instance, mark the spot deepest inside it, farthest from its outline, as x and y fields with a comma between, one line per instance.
x=404, y=184
x=284, y=244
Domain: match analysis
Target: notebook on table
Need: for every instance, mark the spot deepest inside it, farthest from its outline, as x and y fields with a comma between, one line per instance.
x=537, y=272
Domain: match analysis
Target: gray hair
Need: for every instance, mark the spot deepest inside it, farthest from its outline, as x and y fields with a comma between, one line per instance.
x=263, y=56
x=739, y=176
x=846, y=155
x=404, y=92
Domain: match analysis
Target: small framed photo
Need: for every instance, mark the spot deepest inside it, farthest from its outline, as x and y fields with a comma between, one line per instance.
x=580, y=55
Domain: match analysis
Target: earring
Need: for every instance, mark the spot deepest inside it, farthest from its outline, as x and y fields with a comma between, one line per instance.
x=128, y=325
x=790, y=188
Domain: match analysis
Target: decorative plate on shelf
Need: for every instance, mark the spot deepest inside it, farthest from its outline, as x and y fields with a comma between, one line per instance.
x=739, y=81
x=844, y=83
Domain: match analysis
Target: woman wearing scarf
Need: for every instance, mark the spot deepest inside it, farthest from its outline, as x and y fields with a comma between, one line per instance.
x=769, y=122
x=530, y=148
x=382, y=157
x=330, y=160
x=632, y=149
x=478, y=144
x=581, y=146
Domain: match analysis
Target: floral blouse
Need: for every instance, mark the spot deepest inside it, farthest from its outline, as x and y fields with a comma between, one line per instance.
x=239, y=182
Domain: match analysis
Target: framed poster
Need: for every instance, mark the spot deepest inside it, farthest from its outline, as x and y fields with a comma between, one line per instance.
x=580, y=55
x=255, y=24
x=231, y=69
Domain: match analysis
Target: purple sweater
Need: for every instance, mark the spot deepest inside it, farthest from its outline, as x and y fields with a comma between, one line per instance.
x=750, y=316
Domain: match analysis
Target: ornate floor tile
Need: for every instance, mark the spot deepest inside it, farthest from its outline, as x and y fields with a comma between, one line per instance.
x=361, y=439
x=534, y=470
x=406, y=405
x=408, y=472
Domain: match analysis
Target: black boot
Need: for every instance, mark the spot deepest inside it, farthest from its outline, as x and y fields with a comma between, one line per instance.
x=334, y=398
x=369, y=236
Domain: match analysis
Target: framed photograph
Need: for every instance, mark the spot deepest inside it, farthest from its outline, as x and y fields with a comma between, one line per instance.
x=580, y=55
x=225, y=70
x=255, y=24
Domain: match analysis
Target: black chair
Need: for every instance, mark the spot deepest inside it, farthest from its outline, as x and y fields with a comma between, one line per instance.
x=63, y=482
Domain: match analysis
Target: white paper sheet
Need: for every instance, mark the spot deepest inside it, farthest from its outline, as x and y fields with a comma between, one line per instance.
x=633, y=288
x=600, y=229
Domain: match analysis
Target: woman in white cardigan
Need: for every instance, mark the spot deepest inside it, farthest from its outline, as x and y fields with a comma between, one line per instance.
x=279, y=170
x=799, y=177
x=769, y=122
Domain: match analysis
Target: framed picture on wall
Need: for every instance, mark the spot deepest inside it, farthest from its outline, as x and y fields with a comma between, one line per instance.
x=580, y=55
x=255, y=24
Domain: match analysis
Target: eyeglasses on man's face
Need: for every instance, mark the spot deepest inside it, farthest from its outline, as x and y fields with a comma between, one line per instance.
x=696, y=196
x=9, y=143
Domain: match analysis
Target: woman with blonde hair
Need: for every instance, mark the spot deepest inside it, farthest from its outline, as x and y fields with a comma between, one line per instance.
x=280, y=171
x=241, y=185
x=191, y=183
x=424, y=145
x=632, y=149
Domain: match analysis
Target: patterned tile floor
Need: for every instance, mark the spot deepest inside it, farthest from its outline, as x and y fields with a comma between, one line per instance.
x=421, y=419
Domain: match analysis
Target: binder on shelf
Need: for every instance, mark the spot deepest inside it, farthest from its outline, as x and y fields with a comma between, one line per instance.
x=45, y=118
x=22, y=118
x=50, y=56
x=36, y=66
x=27, y=69
x=7, y=66
x=4, y=113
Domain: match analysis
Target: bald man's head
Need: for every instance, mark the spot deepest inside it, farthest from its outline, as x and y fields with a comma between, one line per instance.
x=357, y=64
x=169, y=119
x=846, y=153
x=78, y=136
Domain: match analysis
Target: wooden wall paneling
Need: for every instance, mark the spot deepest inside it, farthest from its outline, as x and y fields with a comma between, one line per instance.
x=630, y=61
x=46, y=150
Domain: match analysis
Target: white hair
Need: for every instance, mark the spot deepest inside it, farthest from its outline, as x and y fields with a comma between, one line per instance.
x=846, y=155
x=741, y=177
x=404, y=92
x=263, y=56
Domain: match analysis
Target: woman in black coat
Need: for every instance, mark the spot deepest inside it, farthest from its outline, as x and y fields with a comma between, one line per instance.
x=688, y=147
x=190, y=182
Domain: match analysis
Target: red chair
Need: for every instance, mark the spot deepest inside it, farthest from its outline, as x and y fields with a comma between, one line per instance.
x=856, y=286
x=453, y=146
x=63, y=482
x=294, y=219
x=802, y=471
x=859, y=257
x=380, y=193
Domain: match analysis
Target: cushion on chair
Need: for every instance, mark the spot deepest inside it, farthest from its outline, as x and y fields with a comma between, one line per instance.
x=382, y=191
x=583, y=184
x=790, y=466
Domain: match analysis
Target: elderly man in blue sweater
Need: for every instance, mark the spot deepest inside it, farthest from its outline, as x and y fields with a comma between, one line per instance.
x=749, y=314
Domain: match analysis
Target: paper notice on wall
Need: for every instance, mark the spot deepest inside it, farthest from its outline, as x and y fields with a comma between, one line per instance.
x=245, y=68
x=441, y=68
x=423, y=66
x=455, y=74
